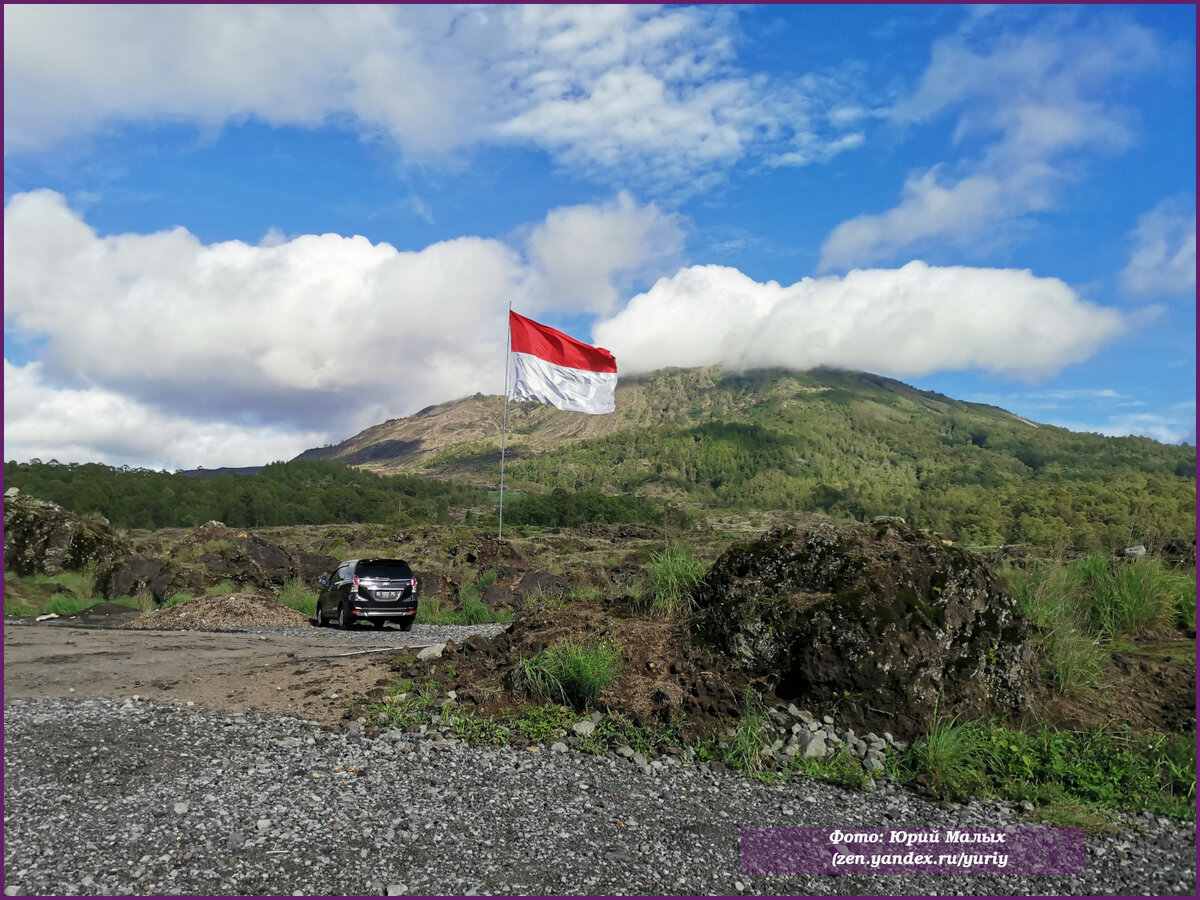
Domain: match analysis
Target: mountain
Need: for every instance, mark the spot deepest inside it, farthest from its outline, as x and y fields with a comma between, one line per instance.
x=430, y=438
x=850, y=444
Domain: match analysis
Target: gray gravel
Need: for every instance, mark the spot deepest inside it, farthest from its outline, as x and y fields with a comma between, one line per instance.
x=103, y=797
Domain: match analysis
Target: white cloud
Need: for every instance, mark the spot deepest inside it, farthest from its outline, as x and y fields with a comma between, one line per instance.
x=905, y=322
x=1174, y=425
x=581, y=248
x=98, y=425
x=622, y=92
x=1164, y=250
x=1028, y=107
x=317, y=335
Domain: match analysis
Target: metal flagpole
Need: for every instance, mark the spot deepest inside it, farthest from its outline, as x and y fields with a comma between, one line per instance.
x=504, y=430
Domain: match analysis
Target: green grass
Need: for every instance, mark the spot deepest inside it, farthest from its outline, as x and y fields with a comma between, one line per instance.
x=616, y=730
x=1072, y=777
x=948, y=759
x=541, y=722
x=1078, y=607
x=553, y=600
x=406, y=705
x=177, y=599
x=81, y=584
x=66, y=605
x=438, y=611
x=672, y=576
x=839, y=766
x=296, y=595
x=13, y=607
x=1141, y=595
x=572, y=672
x=751, y=738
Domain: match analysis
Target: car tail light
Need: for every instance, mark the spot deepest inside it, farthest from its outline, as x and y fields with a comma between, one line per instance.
x=414, y=584
x=356, y=581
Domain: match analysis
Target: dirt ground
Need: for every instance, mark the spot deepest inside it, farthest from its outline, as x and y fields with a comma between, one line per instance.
x=230, y=671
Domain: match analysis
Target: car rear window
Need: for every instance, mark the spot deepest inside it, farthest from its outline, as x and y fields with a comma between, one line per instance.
x=383, y=568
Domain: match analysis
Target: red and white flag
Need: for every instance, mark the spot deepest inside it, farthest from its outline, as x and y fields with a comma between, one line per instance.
x=551, y=367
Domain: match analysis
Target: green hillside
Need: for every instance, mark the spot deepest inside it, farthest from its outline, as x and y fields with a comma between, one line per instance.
x=848, y=444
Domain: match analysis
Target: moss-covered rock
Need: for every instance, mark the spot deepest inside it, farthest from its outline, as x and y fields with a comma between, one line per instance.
x=42, y=538
x=881, y=620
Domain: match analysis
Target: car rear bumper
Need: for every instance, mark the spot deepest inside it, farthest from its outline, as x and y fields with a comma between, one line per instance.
x=380, y=610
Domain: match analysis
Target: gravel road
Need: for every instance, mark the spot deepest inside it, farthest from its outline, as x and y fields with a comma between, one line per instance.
x=305, y=672
x=109, y=797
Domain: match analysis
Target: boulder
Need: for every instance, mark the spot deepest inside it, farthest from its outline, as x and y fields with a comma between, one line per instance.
x=134, y=575
x=540, y=583
x=252, y=560
x=309, y=567
x=273, y=564
x=880, y=619
x=497, y=595
x=42, y=538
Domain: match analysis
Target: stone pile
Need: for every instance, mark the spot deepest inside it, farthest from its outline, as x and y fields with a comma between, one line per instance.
x=810, y=738
x=796, y=733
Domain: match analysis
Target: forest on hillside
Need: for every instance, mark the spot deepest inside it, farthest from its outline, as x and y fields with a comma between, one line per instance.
x=304, y=492
x=978, y=477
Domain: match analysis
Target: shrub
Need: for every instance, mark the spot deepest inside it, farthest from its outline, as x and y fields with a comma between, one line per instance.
x=572, y=672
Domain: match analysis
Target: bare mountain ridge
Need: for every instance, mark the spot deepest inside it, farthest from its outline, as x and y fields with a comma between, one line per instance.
x=450, y=439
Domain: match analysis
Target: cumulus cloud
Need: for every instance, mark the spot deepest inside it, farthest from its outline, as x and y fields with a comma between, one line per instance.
x=1027, y=107
x=94, y=424
x=629, y=91
x=903, y=322
x=580, y=249
x=319, y=335
x=1164, y=250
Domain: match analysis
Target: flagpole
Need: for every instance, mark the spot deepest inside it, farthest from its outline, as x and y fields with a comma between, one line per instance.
x=504, y=430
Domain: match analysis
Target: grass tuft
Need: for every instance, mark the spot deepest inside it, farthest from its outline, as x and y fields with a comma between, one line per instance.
x=572, y=672
x=672, y=577
x=949, y=759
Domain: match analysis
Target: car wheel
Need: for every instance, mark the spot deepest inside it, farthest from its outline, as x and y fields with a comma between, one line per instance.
x=322, y=621
x=406, y=623
x=345, y=620
x=378, y=624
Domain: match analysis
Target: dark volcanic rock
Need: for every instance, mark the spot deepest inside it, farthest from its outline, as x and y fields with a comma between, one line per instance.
x=881, y=620
x=136, y=574
x=309, y=567
x=272, y=563
x=42, y=538
x=496, y=595
x=541, y=583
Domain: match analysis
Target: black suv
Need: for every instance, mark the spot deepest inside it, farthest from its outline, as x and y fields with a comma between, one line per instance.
x=379, y=590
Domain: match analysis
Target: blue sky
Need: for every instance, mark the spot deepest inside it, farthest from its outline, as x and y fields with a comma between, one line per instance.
x=233, y=233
